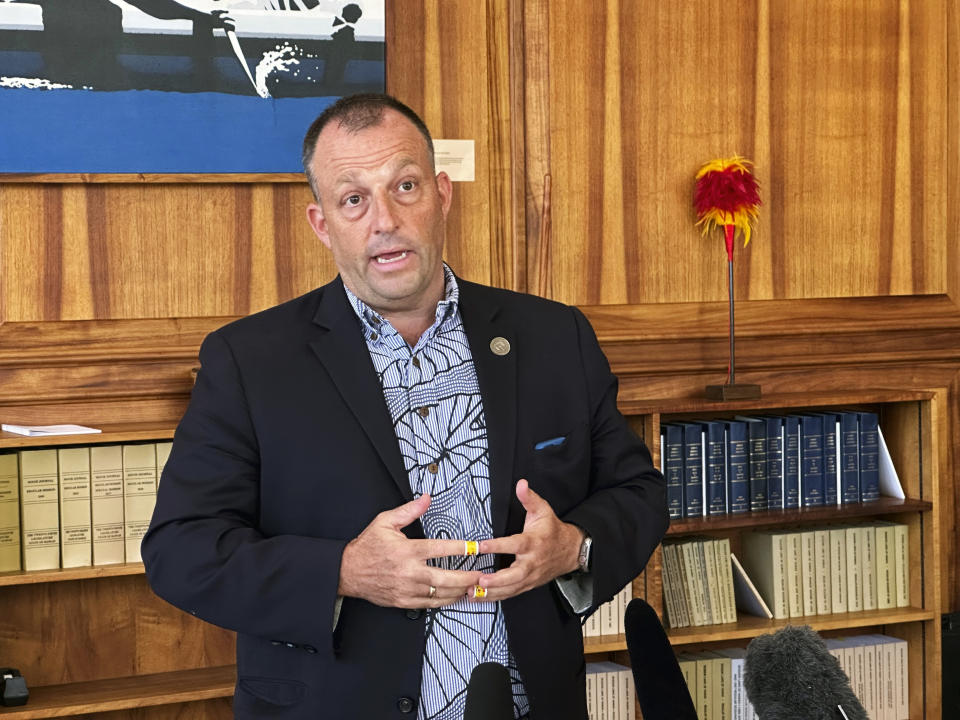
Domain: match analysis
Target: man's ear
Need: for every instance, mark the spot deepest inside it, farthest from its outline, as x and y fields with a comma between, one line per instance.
x=445, y=188
x=318, y=222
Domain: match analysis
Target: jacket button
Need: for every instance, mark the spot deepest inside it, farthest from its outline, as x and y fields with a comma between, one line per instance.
x=414, y=614
x=406, y=705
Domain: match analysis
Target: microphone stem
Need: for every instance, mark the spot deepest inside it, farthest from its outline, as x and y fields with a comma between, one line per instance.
x=840, y=708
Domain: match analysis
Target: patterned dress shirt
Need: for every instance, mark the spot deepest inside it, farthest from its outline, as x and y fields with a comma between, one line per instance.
x=434, y=401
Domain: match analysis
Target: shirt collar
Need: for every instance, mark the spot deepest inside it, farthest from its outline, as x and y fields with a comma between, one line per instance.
x=375, y=325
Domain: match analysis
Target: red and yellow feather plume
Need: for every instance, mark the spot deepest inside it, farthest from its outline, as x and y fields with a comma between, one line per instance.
x=727, y=195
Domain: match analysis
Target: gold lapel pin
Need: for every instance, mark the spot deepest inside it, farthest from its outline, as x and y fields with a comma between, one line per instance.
x=500, y=345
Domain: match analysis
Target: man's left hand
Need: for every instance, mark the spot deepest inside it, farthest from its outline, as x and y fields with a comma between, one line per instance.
x=546, y=549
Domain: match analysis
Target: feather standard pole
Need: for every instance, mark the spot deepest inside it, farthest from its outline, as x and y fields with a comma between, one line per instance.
x=727, y=196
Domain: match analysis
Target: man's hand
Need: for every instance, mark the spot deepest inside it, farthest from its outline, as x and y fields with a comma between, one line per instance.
x=387, y=568
x=546, y=549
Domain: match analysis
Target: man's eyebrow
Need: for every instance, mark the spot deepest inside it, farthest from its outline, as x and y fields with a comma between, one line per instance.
x=401, y=163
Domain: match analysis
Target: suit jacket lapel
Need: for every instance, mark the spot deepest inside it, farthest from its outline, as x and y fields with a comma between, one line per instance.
x=343, y=352
x=483, y=321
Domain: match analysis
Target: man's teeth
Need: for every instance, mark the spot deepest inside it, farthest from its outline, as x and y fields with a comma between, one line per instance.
x=383, y=260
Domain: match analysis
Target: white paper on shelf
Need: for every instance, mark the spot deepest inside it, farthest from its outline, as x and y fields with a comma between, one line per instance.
x=37, y=430
x=889, y=480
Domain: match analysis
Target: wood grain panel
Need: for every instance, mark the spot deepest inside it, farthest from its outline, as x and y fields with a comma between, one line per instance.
x=220, y=709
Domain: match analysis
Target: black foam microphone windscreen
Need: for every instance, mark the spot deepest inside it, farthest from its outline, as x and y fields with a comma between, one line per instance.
x=489, y=693
x=661, y=690
x=790, y=675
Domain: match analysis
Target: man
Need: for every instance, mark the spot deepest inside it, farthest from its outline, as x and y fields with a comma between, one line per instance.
x=401, y=474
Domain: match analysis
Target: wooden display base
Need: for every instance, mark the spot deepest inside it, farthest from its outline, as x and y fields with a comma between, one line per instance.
x=733, y=392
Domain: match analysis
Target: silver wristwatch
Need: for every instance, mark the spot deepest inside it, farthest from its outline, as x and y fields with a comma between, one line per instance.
x=583, y=557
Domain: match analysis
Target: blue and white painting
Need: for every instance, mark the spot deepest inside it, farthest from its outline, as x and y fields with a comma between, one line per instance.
x=176, y=86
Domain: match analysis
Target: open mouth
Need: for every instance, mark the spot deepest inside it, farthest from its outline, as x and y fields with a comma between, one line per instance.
x=390, y=257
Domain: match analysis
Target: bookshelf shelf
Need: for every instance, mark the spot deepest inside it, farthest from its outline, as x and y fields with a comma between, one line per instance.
x=128, y=432
x=604, y=644
x=125, y=693
x=748, y=627
x=799, y=516
x=64, y=574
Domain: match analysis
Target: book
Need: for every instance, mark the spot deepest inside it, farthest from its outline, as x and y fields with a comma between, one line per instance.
x=756, y=462
x=709, y=549
x=76, y=548
x=765, y=560
x=854, y=551
x=791, y=461
x=695, y=582
x=139, y=495
x=693, y=490
x=42, y=430
x=838, y=569
x=811, y=461
x=715, y=467
x=849, y=457
x=808, y=565
x=869, y=456
x=725, y=576
x=738, y=485
x=868, y=539
x=823, y=571
x=831, y=458
x=40, y=514
x=747, y=597
x=886, y=564
x=163, y=454
x=902, y=561
x=679, y=581
x=794, y=568
x=774, y=428
x=722, y=686
x=9, y=513
x=740, y=707
x=106, y=503
x=889, y=479
x=671, y=465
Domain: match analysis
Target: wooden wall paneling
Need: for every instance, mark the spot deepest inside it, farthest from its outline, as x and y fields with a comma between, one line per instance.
x=219, y=709
x=450, y=62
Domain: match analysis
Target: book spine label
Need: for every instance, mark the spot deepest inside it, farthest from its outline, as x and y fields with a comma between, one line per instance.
x=40, y=512
x=791, y=462
x=774, y=429
x=831, y=449
x=850, y=457
x=692, y=471
x=106, y=501
x=738, y=487
x=716, y=477
x=671, y=450
x=75, y=528
x=9, y=513
x=811, y=461
x=757, y=454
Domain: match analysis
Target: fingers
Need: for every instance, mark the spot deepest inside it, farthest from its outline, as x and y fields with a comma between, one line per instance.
x=402, y=516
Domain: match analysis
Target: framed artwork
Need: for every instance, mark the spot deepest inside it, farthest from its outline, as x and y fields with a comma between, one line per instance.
x=176, y=86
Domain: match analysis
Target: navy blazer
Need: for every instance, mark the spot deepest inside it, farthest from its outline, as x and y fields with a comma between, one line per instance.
x=287, y=452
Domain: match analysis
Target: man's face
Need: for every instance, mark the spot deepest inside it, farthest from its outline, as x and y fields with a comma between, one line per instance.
x=382, y=213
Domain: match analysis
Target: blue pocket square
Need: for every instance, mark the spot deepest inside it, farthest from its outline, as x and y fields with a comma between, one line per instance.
x=550, y=443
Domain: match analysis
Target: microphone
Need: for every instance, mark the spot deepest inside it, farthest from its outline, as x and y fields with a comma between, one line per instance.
x=790, y=675
x=489, y=693
x=661, y=690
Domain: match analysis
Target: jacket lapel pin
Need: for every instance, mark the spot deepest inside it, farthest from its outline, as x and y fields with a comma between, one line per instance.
x=500, y=345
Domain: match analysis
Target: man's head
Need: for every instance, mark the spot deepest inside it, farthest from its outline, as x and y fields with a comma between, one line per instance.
x=380, y=208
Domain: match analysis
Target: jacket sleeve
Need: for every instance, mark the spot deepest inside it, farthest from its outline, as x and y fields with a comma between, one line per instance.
x=204, y=551
x=625, y=512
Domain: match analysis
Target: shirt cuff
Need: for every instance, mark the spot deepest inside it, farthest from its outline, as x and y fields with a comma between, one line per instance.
x=336, y=610
x=577, y=590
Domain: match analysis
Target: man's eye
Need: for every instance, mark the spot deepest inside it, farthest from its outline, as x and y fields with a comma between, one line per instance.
x=407, y=185
x=351, y=200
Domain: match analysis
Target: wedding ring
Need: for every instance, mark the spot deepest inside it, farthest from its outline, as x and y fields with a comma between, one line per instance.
x=479, y=592
x=433, y=591
x=471, y=547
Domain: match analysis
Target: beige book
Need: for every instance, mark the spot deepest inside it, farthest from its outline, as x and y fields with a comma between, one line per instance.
x=163, y=453
x=673, y=619
x=106, y=503
x=886, y=691
x=593, y=674
x=795, y=590
x=677, y=587
x=821, y=568
x=623, y=599
x=603, y=702
x=870, y=676
x=725, y=573
x=139, y=495
x=868, y=543
x=704, y=699
x=684, y=596
x=40, y=519
x=76, y=548
x=764, y=557
x=901, y=677
x=838, y=569
x=886, y=541
x=694, y=583
x=611, y=690
x=808, y=568
x=854, y=569
x=628, y=695
x=688, y=668
x=902, y=559
x=721, y=706
x=9, y=513
x=713, y=580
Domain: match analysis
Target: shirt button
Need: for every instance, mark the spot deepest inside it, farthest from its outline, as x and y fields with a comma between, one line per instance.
x=416, y=362
x=433, y=468
x=423, y=411
x=413, y=614
x=405, y=705
x=373, y=336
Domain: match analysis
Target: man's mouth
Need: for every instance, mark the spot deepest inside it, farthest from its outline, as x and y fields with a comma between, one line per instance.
x=390, y=257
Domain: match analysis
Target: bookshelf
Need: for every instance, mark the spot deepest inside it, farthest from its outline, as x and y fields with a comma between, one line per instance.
x=909, y=420
x=96, y=642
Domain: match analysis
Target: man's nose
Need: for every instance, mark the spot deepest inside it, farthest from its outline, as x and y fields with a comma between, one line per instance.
x=385, y=217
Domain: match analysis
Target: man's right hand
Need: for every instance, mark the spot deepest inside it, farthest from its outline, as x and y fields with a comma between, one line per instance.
x=385, y=567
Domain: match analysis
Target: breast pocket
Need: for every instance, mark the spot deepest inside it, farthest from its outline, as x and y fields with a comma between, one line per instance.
x=559, y=468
